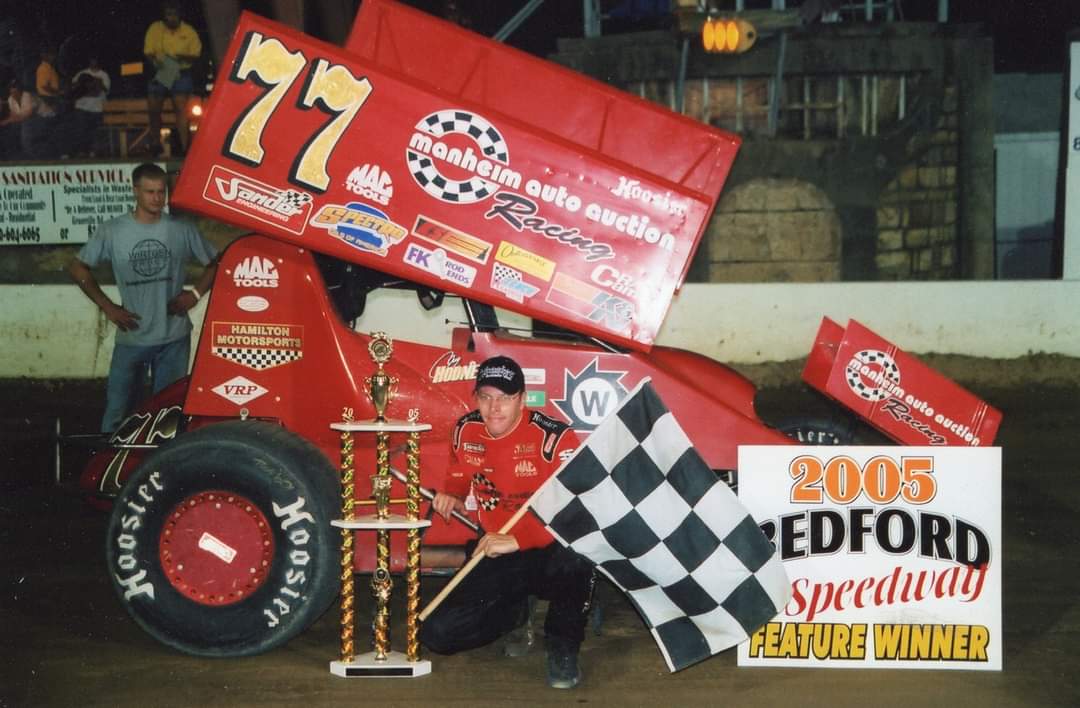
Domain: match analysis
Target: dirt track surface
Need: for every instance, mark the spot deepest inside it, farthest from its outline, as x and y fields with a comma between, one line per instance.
x=66, y=640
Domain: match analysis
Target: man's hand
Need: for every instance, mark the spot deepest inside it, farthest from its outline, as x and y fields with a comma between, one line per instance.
x=493, y=545
x=445, y=503
x=183, y=302
x=125, y=320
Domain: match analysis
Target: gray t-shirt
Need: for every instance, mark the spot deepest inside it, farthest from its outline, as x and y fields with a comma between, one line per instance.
x=148, y=262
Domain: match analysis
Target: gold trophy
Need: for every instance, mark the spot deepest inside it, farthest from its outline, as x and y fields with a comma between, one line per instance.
x=381, y=661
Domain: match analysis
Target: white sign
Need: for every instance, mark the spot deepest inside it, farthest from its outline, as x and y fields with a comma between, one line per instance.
x=894, y=555
x=1071, y=266
x=57, y=204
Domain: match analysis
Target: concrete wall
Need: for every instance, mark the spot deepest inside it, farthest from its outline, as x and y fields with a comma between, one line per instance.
x=53, y=331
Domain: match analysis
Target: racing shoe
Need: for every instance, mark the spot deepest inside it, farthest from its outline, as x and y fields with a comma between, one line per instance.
x=520, y=641
x=562, y=664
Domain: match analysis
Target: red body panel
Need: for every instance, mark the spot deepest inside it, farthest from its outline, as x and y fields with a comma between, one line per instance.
x=894, y=391
x=272, y=348
x=557, y=218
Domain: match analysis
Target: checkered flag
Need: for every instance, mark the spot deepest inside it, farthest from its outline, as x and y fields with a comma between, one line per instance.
x=637, y=500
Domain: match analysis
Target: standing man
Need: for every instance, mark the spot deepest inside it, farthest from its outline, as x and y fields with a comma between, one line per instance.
x=149, y=251
x=172, y=46
x=499, y=456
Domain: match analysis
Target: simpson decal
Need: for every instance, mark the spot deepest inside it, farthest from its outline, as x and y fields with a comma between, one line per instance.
x=451, y=239
x=286, y=208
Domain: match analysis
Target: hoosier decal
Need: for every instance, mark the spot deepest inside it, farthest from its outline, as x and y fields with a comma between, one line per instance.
x=257, y=346
x=286, y=208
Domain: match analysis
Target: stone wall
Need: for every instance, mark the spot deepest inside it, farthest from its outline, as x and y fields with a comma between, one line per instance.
x=917, y=224
x=773, y=230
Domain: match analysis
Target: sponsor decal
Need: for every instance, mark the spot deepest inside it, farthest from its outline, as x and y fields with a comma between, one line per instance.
x=520, y=213
x=473, y=460
x=527, y=261
x=253, y=303
x=510, y=282
x=371, y=182
x=524, y=449
x=448, y=368
x=285, y=208
x=361, y=226
x=438, y=263
x=255, y=272
x=525, y=468
x=474, y=447
x=257, y=346
x=565, y=455
x=594, y=304
x=632, y=190
x=612, y=279
x=873, y=375
x=451, y=239
x=535, y=377
x=459, y=157
x=535, y=399
x=239, y=390
x=590, y=395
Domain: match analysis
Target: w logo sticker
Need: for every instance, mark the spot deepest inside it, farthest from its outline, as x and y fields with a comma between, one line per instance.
x=590, y=395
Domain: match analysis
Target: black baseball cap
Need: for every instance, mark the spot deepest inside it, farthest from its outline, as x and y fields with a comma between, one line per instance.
x=503, y=373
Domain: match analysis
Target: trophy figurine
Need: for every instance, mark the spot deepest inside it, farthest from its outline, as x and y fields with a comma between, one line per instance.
x=380, y=387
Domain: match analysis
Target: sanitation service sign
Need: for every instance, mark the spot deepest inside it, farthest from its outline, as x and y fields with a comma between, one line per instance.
x=894, y=555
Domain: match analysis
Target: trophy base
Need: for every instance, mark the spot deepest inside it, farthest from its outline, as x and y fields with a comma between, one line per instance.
x=395, y=665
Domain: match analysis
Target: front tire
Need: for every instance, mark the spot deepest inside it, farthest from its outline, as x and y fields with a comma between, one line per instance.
x=220, y=543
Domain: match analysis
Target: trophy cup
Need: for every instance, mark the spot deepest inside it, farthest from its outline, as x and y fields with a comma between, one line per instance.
x=381, y=661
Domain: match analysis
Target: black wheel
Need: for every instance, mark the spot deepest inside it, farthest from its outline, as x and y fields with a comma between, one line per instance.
x=830, y=430
x=220, y=544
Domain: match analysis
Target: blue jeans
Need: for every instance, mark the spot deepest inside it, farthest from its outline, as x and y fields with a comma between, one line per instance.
x=168, y=362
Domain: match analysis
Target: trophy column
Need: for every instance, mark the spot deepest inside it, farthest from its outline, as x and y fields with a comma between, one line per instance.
x=381, y=661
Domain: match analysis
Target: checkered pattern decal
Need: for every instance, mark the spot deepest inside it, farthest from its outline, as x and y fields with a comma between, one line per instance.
x=427, y=175
x=257, y=359
x=875, y=359
x=638, y=500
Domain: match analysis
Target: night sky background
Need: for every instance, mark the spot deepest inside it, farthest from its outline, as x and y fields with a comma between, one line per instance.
x=1029, y=35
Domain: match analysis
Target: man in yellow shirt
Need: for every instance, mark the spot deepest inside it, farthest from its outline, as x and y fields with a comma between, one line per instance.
x=171, y=46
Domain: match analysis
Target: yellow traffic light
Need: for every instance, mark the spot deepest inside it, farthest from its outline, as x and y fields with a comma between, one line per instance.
x=728, y=35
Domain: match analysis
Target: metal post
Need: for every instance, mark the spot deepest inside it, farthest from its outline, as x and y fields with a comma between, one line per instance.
x=514, y=22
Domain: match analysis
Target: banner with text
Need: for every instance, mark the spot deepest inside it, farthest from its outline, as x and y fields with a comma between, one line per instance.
x=894, y=555
x=58, y=204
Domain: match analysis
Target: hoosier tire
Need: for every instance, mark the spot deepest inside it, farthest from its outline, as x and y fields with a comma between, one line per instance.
x=220, y=544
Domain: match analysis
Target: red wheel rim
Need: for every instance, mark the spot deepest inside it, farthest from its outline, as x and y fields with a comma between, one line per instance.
x=216, y=548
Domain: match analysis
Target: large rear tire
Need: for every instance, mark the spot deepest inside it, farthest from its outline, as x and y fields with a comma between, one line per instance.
x=220, y=543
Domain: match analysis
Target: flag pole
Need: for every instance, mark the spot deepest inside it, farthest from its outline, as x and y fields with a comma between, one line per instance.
x=477, y=556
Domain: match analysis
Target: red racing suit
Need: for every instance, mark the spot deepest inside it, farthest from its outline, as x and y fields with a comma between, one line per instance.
x=500, y=474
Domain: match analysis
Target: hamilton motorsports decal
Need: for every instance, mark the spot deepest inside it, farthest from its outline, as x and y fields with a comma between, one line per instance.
x=257, y=346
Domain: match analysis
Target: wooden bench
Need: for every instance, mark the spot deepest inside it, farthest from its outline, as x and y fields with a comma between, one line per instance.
x=126, y=122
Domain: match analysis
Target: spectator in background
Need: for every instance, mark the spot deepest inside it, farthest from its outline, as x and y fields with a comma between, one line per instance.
x=17, y=125
x=89, y=88
x=172, y=46
x=48, y=81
